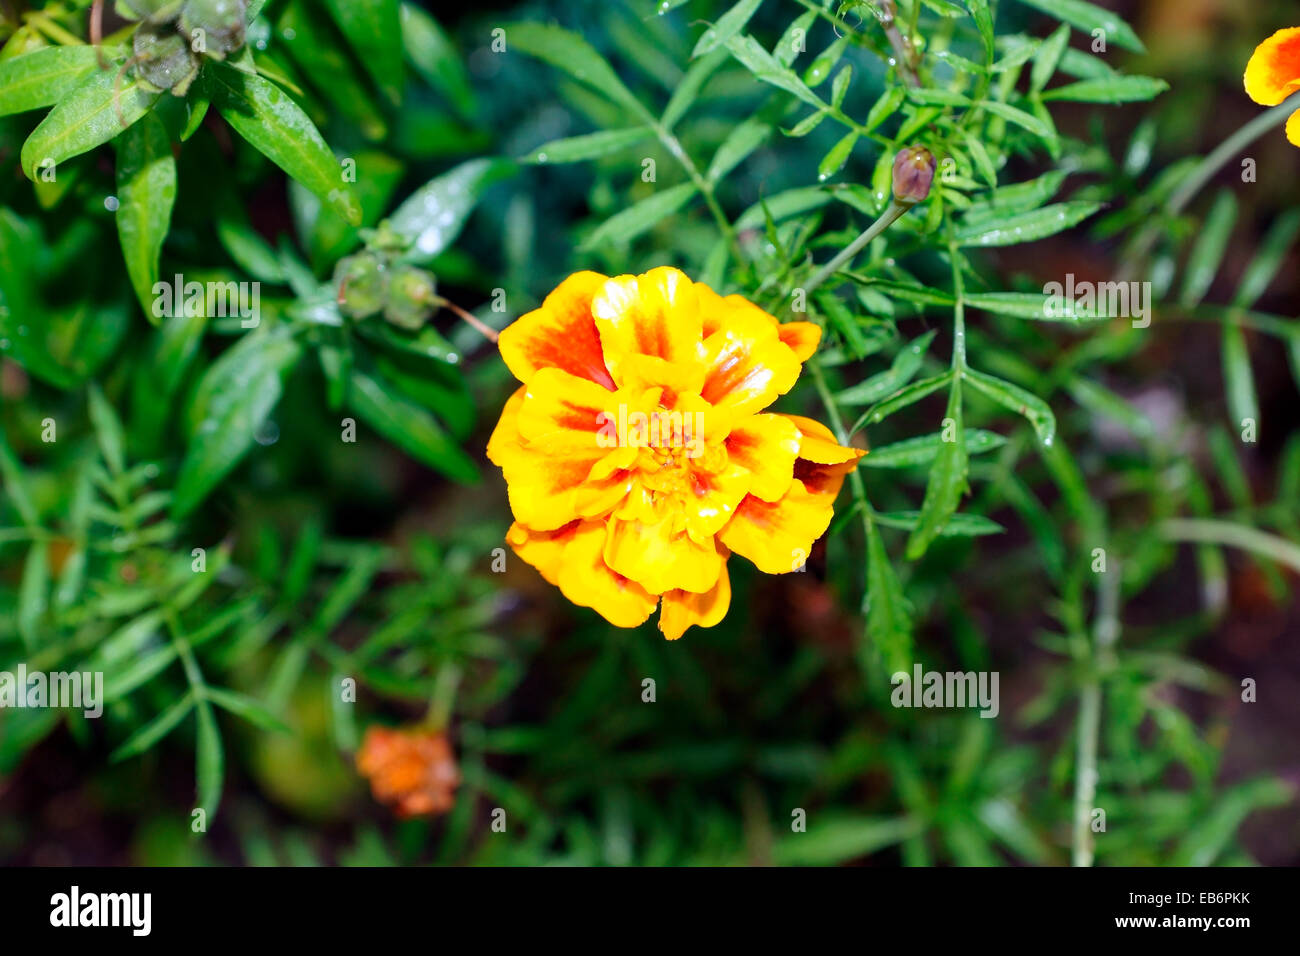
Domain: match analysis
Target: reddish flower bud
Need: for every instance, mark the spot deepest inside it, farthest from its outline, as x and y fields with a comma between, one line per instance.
x=412, y=770
x=913, y=174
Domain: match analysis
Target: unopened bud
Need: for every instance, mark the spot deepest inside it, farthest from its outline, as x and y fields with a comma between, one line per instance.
x=411, y=295
x=362, y=284
x=913, y=174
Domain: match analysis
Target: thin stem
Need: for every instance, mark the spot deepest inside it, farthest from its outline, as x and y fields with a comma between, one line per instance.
x=845, y=255
x=1211, y=531
x=486, y=331
x=1105, y=634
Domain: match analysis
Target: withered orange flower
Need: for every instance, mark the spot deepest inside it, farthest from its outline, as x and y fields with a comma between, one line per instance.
x=413, y=770
x=1273, y=74
x=638, y=456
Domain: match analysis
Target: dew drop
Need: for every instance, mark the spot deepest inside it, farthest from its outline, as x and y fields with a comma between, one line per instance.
x=111, y=203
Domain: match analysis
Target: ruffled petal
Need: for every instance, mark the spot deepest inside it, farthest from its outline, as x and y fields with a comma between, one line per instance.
x=659, y=557
x=655, y=314
x=778, y=536
x=1273, y=72
x=560, y=334
x=586, y=580
x=564, y=414
x=544, y=550
x=802, y=337
x=749, y=366
x=767, y=446
x=817, y=443
x=683, y=609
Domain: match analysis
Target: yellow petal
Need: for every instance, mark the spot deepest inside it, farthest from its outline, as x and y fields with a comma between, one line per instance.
x=655, y=314
x=660, y=558
x=802, y=337
x=778, y=536
x=1273, y=72
x=1293, y=128
x=682, y=609
x=767, y=446
x=817, y=443
x=560, y=334
x=748, y=364
x=544, y=550
x=564, y=414
x=585, y=579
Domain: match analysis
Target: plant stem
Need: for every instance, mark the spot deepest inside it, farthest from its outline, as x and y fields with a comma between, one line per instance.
x=1210, y=531
x=1105, y=633
x=845, y=255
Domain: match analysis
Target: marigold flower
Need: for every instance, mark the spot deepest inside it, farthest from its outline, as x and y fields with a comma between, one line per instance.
x=1273, y=74
x=638, y=456
x=413, y=770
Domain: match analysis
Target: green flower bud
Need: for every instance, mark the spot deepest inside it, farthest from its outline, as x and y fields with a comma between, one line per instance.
x=218, y=25
x=411, y=296
x=164, y=58
x=362, y=283
x=913, y=174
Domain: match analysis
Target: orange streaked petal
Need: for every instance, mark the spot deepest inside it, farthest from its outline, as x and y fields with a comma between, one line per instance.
x=802, y=337
x=749, y=366
x=654, y=314
x=660, y=558
x=1273, y=72
x=564, y=414
x=715, y=499
x=585, y=579
x=767, y=446
x=544, y=550
x=560, y=334
x=817, y=443
x=544, y=491
x=681, y=610
x=778, y=536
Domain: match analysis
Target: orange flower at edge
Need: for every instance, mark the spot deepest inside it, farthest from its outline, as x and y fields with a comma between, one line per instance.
x=413, y=769
x=1273, y=74
x=627, y=523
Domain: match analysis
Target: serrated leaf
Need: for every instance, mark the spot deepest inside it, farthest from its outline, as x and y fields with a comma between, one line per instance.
x=85, y=118
x=947, y=481
x=590, y=146
x=569, y=52
x=636, y=219
x=1088, y=17
x=1111, y=89
x=728, y=25
x=1026, y=226
x=923, y=449
x=146, y=192
x=751, y=55
x=435, y=213
x=889, y=613
x=1018, y=400
x=269, y=119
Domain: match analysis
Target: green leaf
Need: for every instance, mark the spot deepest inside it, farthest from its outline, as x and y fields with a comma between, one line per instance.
x=241, y=705
x=43, y=77
x=744, y=138
x=1112, y=89
x=85, y=118
x=276, y=126
x=906, y=364
x=1272, y=252
x=1026, y=226
x=958, y=525
x=234, y=397
x=751, y=55
x=209, y=760
x=834, y=160
x=108, y=431
x=569, y=52
x=1048, y=57
x=434, y=56
x=1239, y=379
x=1017, y=400
x=636, y=219
x=728, y=25
x=1019, y=117
x=979, y=9
x=1207, y=254
x=409, y=426
x=1015, y=198
x=884, y=107
x=591, y=146
x=374, y=30
x=15, y=486
x=33, y=594
x=146, y=192
x=923, y=449
x=1087, y=18
x=433, y=216
x=947, y=482
x=837, y=839
x=688, y=89
x=1034, y=305
x=155, y=730
x=889, y=613
x=905, y=396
